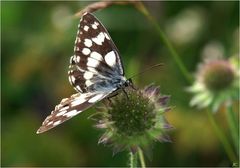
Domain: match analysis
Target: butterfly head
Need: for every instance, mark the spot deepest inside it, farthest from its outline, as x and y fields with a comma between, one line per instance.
x=129, y=82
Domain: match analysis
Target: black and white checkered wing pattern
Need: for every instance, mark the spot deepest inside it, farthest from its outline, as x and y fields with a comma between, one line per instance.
x=95, y=71
x=68, y=108
x=96, y=58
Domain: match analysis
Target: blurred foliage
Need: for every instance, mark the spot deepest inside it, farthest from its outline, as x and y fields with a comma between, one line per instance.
x=36, y=43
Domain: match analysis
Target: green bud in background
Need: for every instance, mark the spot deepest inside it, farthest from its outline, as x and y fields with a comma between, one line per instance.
x=217, y=83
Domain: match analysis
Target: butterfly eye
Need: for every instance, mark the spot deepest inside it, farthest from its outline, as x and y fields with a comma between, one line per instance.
x=126, y=84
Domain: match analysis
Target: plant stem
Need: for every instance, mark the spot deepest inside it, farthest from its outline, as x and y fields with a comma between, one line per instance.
x=141, y=157
x=222, y=138
x=133, y=160
x=232, y=122
x=140, y=6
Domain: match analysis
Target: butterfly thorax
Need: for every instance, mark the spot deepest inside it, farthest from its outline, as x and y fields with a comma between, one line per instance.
x=111, y=84
x=121, y=87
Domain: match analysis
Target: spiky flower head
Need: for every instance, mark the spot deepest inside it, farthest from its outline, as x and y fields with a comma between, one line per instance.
x=217, y=82
x=133, y=119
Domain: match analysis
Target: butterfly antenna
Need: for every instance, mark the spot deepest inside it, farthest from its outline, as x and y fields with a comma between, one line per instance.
x=147, y=69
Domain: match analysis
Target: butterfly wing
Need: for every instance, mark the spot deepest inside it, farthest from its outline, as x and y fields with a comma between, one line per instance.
x=95, y=71
x=95, y=58
x=70, y=107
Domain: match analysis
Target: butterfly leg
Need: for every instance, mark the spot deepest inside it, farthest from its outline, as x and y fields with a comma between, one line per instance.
x=124, y=91
x=109, y=101
x=133, y=87
x=113, y=95
x=109, y=98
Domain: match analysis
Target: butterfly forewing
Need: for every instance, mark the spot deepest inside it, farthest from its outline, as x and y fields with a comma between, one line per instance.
x=96, y=57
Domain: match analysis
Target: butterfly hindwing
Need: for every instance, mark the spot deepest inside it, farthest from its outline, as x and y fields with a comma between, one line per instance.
x=70, y=107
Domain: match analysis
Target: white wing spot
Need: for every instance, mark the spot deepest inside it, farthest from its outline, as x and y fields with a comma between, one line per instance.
x=86, y=51
x=77, y=40
x=88, y=75
x=88, y=83
x=96, y=23
x=88, y=42
x=78, y=59
x=72, y=113
x=78, y=101
x=99, y=39
x=106, y=35
x=92, y=62
x=75, y=95
x=110, y=58
x=48, y=117
x=71, y=60
x=96, y=55
x=72, y=79
x=65, y=108
x=57, y=122
x=86, y=28
x=95, y=98
x=76, y=48
x=84, y=14
x=63, y=100
x=94, y=26
x=49, y=123
x=78, y=89
x=75, y=58
x=61, y=113
x=92, y=69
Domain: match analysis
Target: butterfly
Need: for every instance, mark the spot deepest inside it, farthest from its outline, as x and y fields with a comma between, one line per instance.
x=95, y=72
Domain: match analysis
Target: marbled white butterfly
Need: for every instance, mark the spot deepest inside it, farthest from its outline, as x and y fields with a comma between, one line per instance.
x=95, y=72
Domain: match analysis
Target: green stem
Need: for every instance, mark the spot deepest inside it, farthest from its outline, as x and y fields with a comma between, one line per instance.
x=140, y=6
x=233, y=123
x=133, y=160
x=141, y=157
x=222, y=138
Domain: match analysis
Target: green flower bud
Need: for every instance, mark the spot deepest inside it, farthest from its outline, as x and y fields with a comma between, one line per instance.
x=133, y=119
x=217, y=83
x=218, y=75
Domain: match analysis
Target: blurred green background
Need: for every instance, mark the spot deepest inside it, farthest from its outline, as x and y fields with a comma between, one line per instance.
x=36, y=43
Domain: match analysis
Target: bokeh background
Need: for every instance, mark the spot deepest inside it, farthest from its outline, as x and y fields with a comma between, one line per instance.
x=36, y=43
